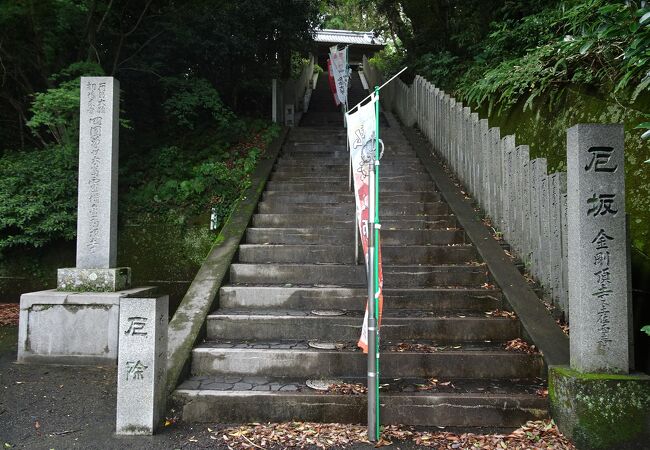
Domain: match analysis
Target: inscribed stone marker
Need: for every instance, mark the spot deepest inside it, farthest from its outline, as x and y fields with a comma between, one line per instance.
x=599, y=300
x=98, y=159
x=142, y=364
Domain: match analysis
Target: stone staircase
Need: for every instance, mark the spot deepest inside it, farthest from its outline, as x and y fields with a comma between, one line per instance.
x=294, y=306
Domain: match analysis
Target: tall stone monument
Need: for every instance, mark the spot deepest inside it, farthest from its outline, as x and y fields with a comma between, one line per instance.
x=599, y=282
x=595, y=401
x=77, y=322
x=97, y=196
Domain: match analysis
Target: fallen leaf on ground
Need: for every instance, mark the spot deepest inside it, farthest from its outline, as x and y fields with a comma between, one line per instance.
x=501, y=313
x=519, y=345
x=347, y=389
x=9, y=313
x=413, y=347
x=563, y=326
x=533, y=435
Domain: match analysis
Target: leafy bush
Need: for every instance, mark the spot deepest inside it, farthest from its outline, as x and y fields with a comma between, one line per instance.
x=439, y=68
x=188, y=184
x=192, y=99
x=57, y=109
x=592, y=43
x=38, y=196
x=389, y=60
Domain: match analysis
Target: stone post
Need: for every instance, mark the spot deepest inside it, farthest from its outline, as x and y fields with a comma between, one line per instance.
x=555, y=239
x=599, y=301
x=97, y=196
x=596, y=402
x=142, y=364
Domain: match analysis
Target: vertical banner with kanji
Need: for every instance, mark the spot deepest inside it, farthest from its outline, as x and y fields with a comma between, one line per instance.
x=362, y=130
x=332, y=82
x=339, y=66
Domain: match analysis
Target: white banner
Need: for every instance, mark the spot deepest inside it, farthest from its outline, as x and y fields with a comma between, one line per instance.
x=339, y=60
x=361, y=136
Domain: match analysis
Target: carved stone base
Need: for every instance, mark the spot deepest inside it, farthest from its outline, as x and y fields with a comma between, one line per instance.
x=71, y=327
x=93, y=280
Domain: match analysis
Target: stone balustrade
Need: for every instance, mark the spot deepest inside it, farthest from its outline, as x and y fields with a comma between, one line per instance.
x=527, y=205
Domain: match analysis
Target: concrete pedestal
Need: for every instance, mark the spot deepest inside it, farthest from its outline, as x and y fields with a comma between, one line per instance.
x=74, y=328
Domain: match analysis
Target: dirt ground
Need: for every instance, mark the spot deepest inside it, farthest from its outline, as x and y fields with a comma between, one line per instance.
x=64, y=407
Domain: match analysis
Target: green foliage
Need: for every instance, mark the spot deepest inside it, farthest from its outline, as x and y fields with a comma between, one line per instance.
x=439, y=68
x=238, y=47
x=361, y=15
x=297, y=64
x=592, y=43
x=389, y=60
x=57, y=109
x=646, y=330
x=38, y=196
x=190, y=99
x=183, y=185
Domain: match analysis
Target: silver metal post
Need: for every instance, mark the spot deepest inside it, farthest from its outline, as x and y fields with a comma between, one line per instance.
x=356, y=234
x=372, y=320
x=347, y=147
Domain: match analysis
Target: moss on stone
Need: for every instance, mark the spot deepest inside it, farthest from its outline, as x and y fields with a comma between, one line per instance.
x=600, y=411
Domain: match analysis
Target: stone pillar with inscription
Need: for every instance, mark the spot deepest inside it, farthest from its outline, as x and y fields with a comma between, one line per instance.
x=97, y=196
x=596, y=401
x=142, y=364
x=77, y=322
x=599, y=298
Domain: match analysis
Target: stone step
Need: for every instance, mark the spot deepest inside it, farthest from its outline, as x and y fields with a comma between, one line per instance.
x=332, y=155
x=345, y=221
x=343, y=171
x=337, y=146
x=304, y=325
x=404, y=162
x=385, y=208
x=353, y=275
x=344, y=254
x=344, y=298
x=332, y=236
x=297, y=177
x=341, y=197
x=342, y=186
x=257, y=399
x=277, y=359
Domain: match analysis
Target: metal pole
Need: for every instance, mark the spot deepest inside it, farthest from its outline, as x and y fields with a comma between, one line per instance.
x=372, y=320
x=356, y=234
x=347, y=147
x=375, y=228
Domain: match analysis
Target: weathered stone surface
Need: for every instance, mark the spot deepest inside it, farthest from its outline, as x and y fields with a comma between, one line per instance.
x=601, y=411
x=599, y=300
x=142, y=364
x=93, y=280
x=70, y=328
x=555, y=239
x=544, y=230
x=98, y=163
